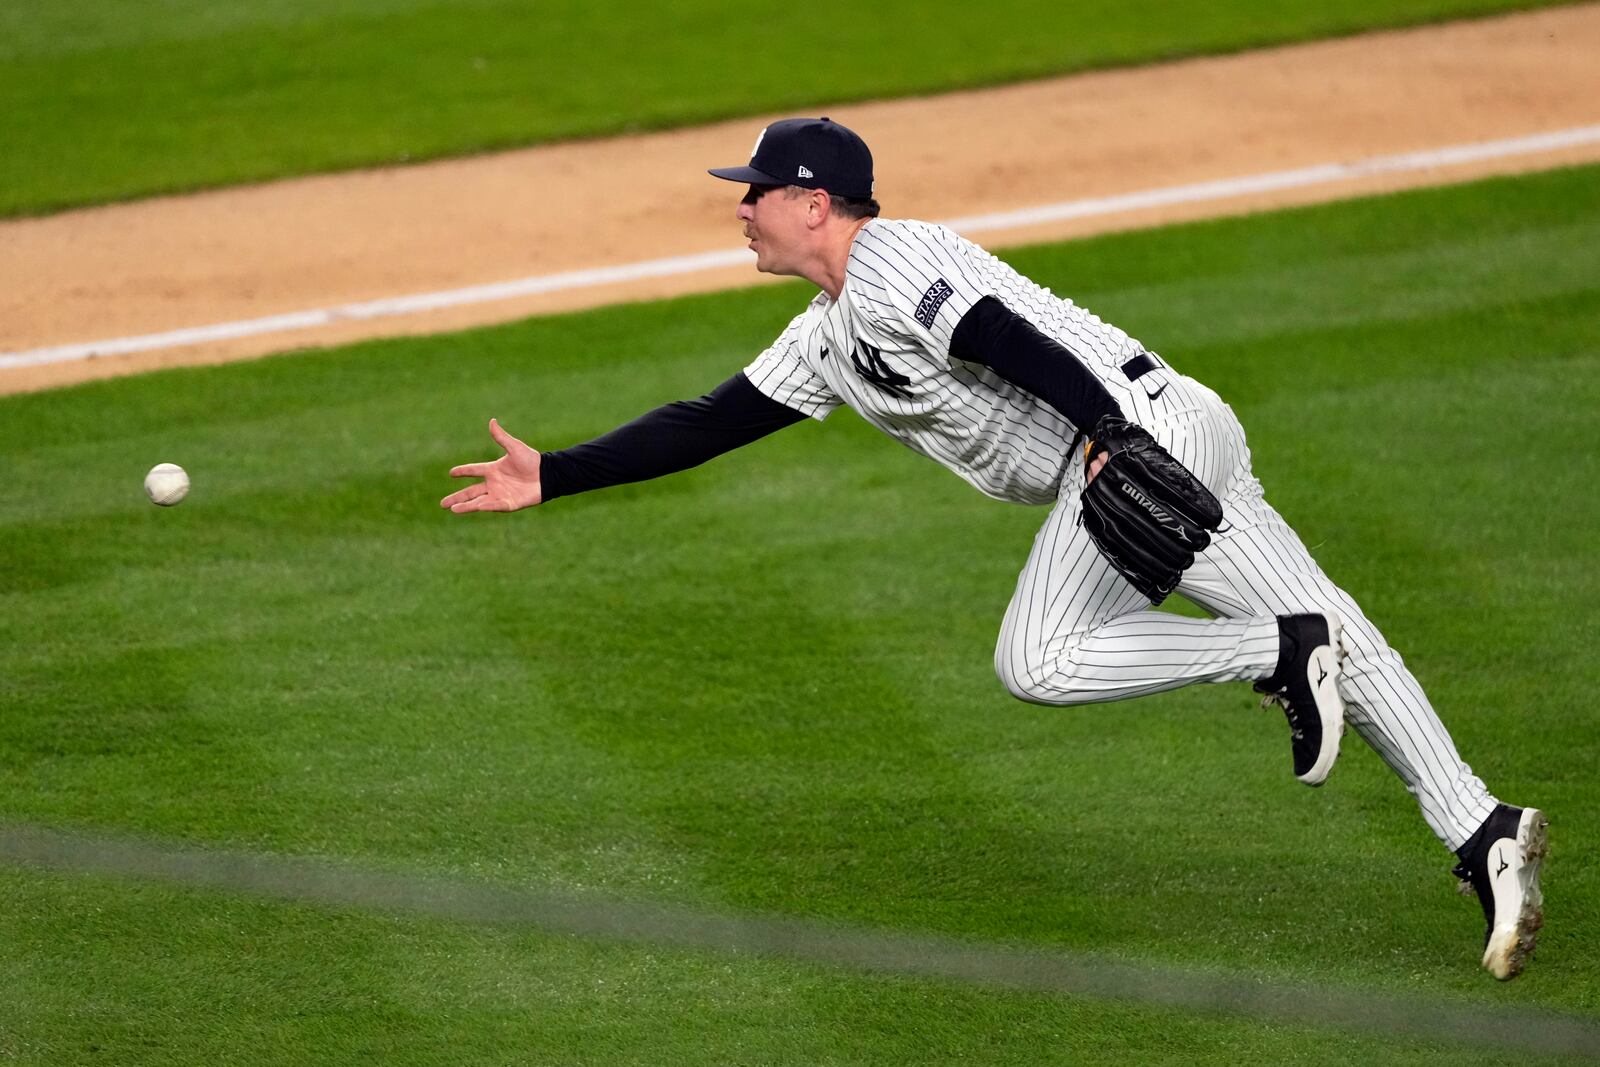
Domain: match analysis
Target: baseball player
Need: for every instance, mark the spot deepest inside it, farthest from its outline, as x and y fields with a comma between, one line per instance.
x=1032, y=399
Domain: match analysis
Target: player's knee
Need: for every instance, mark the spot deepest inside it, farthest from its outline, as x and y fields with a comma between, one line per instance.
x=1009, y=671
x=1018, y=685
x=1033, y=676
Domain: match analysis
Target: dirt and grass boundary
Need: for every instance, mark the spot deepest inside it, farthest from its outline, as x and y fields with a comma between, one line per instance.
x=324, y=242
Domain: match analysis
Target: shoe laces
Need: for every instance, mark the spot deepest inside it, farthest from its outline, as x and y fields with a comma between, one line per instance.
x=1472, y=884
x=1281, y=699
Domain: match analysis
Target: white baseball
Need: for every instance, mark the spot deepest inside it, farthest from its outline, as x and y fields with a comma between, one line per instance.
x=166, y=484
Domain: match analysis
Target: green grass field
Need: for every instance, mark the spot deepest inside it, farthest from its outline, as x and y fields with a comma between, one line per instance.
x=765, y=685
x=104, y=101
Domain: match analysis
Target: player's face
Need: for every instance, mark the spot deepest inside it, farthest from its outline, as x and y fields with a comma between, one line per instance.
x=775, y=223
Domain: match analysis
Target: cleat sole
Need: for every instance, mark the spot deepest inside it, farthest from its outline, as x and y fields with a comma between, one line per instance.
x=1511, y=944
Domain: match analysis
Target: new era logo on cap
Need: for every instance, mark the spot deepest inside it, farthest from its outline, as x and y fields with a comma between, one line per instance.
x=819, y=153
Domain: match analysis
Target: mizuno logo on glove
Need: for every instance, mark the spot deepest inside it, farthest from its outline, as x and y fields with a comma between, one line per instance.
x=1152, y=507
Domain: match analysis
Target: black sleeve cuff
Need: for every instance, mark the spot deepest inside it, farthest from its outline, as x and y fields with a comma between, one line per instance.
x=671, y=438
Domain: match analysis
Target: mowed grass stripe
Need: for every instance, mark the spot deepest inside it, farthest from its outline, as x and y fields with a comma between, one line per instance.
x=831, y=945
x=105, y=101
x=764, y=687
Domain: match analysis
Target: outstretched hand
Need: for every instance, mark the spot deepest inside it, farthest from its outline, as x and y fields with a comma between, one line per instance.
x=510, y=483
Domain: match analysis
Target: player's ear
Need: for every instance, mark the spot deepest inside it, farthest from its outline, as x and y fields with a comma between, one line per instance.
x=819, y=207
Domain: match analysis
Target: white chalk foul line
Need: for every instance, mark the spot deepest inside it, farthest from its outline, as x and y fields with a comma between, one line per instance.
x=1321, y=174
x=1479, y=1024
x=1199, y=192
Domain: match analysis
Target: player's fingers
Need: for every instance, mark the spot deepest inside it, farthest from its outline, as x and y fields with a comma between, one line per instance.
x=470, y=470
x=480, y=503
x=471, y=492
x=504, y=439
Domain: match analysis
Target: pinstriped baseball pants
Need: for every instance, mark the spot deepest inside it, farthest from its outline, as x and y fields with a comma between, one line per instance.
x=1076, y=632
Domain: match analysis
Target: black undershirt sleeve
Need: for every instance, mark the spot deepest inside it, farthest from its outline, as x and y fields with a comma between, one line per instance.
x=673, y=437
x=996, y=337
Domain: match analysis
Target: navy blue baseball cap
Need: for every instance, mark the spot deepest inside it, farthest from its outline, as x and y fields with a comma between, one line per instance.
x=812, y=153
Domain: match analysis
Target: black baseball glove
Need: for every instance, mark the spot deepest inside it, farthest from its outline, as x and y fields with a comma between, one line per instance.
x=1146, y=512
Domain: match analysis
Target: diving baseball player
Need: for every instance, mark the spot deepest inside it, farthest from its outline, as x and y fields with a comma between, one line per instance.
x=1032, y=399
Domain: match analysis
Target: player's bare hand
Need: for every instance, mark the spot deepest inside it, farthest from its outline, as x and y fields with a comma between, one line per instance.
x=1095, y=465
x=510, y=483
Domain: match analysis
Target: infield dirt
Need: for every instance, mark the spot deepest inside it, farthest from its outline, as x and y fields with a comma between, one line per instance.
x=244, y=253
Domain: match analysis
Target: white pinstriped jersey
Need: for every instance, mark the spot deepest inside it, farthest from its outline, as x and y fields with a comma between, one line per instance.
x=883, y=348
x=1075, y=631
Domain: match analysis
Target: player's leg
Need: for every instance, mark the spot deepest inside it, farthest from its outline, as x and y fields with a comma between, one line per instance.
x=1257, y=568
x=1076, y=632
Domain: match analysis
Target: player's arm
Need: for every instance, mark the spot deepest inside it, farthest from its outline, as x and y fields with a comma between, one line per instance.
x=673, y=437
x=994, y=336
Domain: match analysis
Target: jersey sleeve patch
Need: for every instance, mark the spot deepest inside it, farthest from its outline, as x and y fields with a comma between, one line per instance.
x=914, y=281
x=932, y=300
